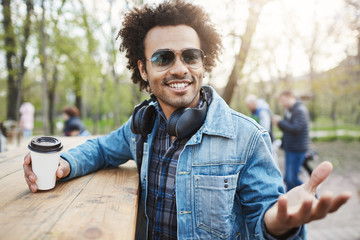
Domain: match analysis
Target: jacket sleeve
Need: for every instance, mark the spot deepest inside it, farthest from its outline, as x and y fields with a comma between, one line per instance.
x=107, y=151
x=260, y=186
x=260, y=183
x=297, y=122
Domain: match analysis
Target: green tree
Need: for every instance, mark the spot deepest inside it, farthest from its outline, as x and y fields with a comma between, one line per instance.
x=15, y=46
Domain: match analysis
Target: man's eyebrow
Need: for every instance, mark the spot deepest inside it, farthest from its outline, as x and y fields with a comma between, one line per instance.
x=163, y=49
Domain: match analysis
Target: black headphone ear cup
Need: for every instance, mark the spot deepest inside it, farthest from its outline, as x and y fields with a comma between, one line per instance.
x=184, y=122
x=171, y=124
x=143, y=120
x=135, y=120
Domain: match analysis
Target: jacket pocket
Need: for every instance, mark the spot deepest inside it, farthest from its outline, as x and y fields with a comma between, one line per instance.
x=214, y=200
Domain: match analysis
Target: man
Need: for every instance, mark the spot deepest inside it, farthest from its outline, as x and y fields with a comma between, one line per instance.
x=295, y=141
x=213, y=181
x=260, y=111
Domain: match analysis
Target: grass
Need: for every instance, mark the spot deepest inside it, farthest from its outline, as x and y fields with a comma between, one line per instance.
x=325, y=124
x=323, y=130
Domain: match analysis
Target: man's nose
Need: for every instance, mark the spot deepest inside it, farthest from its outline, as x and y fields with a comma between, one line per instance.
x=179, y=67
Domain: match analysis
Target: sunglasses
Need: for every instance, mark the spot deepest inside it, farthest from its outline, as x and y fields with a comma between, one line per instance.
x=163, y=59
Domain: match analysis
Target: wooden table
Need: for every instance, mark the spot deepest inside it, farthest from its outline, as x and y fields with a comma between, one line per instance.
x=102, y=205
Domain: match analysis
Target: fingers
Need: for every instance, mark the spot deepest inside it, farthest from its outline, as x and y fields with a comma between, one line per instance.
x=63, y=169
x=301, y=214
x=27, y=159
x=328, y=204
x=321, y=209
x=29, y=175
x=339, y=201
x=282, y=209
x=319, y=174
x=294, y=216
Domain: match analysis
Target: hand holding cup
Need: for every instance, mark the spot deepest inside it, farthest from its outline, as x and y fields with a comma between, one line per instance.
x=43, y=164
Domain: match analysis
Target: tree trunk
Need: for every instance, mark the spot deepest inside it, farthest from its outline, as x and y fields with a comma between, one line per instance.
x=333, y=111
x=51, y=96
x=44, y=71
x=116, y=97
x=99, y=106
x=78, y=81
x=10, y=43
x=23, y=54
x=240, y=59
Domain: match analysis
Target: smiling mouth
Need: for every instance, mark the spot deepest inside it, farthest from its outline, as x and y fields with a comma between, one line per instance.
x=179, y=86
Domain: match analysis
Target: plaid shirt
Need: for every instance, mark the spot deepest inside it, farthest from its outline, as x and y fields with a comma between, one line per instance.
x=161, y=199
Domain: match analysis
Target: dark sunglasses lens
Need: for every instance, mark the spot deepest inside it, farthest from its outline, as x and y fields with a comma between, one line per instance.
x=163, y=59
x=193, y=57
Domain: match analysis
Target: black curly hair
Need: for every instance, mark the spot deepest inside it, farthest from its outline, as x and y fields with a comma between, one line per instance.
x=139, y=21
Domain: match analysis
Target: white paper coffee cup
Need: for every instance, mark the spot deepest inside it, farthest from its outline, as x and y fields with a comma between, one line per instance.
x=45, y=156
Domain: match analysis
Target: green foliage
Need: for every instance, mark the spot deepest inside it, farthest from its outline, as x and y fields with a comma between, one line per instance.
x=83, y=51
x=80, y=63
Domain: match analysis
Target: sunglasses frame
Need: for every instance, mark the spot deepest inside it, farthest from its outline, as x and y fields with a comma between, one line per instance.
x=161, y=69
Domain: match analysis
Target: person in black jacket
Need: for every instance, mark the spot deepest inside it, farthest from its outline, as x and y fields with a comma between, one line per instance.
x=296, y=139
x=73, y=124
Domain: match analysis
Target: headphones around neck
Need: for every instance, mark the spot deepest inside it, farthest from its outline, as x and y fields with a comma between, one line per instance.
x=182, y=123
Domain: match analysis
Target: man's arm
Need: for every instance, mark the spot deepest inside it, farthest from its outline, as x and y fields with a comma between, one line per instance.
x=103, y=152
x=107, y=151
x=299, y=120
x=299, y=206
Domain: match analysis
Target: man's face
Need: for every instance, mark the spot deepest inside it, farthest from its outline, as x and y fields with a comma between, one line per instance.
x=285, y=101
x=179, y=85
x=251, y=106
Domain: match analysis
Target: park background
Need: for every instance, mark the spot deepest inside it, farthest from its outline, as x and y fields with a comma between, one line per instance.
x=59, y=53
x=56, y=53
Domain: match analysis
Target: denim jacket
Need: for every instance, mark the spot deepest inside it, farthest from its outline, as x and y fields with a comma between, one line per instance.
x=226, y=176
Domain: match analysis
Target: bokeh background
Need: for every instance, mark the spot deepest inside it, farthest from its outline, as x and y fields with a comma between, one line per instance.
x=56, y=53
x=59, y=53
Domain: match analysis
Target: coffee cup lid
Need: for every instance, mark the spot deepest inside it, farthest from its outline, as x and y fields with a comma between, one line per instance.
x=45, y=145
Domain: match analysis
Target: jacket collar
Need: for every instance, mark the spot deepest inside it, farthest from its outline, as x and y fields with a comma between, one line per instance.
x=219, y=116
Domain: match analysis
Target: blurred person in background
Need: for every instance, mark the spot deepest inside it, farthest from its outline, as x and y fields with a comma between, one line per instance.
x=73, y=125
x=261, y=113
x=27, y=111
x=296, y=138
x=2, y=137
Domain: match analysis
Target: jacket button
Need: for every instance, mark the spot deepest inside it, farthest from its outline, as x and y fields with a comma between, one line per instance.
x=226, y=186
x=226, y=181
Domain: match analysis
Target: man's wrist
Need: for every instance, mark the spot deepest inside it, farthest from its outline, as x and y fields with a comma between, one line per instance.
x=286, y=235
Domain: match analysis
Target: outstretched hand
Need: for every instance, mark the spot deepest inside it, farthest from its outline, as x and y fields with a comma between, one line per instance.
x=300, y=206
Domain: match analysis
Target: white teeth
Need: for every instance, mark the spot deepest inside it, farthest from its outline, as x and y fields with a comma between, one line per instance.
x=178, y=85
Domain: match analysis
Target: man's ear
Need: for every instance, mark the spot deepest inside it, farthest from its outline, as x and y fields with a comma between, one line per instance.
x=142, y=69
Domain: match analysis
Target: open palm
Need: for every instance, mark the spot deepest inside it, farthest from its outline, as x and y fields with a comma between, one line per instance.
x=300, y=206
